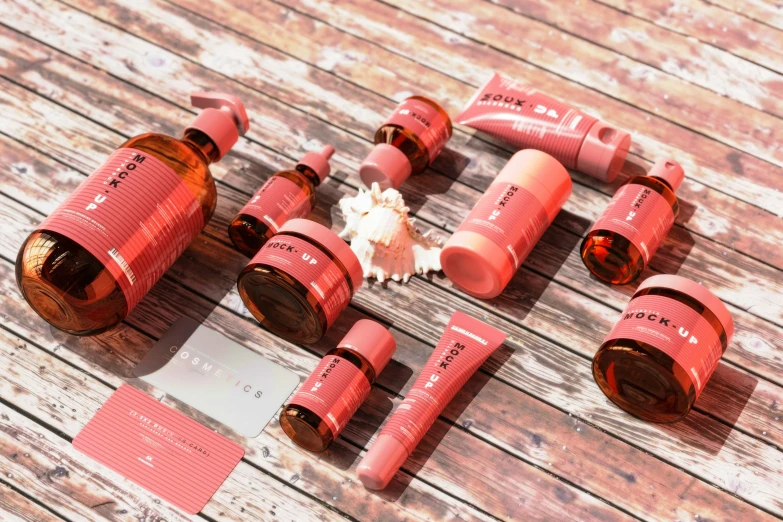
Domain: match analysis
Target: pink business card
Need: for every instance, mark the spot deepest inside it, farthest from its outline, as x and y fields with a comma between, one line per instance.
x=158, y=448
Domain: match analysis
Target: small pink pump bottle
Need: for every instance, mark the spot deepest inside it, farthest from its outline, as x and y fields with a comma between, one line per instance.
x=288, y=194
x=621, y=242
x=408, y=141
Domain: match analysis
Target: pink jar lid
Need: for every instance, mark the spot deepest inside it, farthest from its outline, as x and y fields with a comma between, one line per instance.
x=603, y=151
x=318, y=161
x=669, y=171
x=332, y=242
x=373, y=341
x=697, y=292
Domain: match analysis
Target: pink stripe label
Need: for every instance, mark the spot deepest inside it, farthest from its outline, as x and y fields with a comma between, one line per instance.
x=277, y=201
x=334, y=391
x=511, y=217
x=674, y=328
x=310, y=266
x=640, y=215
x=425, y=121
x=135, y=215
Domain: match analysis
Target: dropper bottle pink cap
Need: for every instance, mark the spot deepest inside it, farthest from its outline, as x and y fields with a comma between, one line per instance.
x=318, y=161
x=223, y=119
x=386, y=165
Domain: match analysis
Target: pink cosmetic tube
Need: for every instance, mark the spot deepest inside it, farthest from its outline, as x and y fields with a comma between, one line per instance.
x=464, y=346
x=528, y=119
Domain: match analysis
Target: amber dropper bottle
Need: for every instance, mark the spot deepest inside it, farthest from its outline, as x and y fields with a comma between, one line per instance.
x=87, y=265
x=621, y=242
x=288, y=194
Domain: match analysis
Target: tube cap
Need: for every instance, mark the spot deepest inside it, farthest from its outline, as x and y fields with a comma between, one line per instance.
x=386, y=165
x=318, y=161
x=669, y=171
x=332, y=242
x=223, y=119
x=478, y=265
x=603, y=151
x=381, y=462
x=373, y=341
x=696, y=291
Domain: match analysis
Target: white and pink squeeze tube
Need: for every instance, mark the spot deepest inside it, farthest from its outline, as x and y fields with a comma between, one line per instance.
x=464, y=346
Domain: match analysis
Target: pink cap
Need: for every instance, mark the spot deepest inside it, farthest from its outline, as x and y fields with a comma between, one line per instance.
x=223, y=119
x=386, y=165
x=332, y=242
x=603, y=151
x=381, y=462
x=669, y=171
x=477, y=264
x=697, y=292
x=318, y=161
x=373, y=341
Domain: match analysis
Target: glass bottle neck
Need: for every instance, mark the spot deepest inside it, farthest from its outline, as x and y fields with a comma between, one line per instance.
x=309, y=174
x=202, y=144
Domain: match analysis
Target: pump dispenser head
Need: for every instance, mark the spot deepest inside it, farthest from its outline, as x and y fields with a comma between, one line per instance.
x=223, y=119
x=669, y=171
x=318, y=161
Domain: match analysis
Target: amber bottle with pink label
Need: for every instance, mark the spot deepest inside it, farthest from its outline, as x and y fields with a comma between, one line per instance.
x=289, y=194
x=623, y=240
x=327, y=400
x=95, y=257
x=407, y=142
x=663, y=349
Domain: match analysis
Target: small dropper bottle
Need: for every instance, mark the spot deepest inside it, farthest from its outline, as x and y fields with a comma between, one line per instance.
x=621, y=242
x=288, y=194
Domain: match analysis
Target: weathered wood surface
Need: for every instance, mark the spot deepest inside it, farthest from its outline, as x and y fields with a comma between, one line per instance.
x=530, y=437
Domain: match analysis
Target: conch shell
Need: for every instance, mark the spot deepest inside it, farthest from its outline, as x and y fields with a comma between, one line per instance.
x=384, y=238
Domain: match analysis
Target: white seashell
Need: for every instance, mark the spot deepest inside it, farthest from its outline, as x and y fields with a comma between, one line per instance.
x=384, y=238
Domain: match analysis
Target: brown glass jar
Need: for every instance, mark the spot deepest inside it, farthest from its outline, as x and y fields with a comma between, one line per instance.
x=660, y=354
x=300, y=281
x=327, y=400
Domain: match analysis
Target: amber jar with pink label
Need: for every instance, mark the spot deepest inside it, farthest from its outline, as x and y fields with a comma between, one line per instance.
x=407, y=142
x=622, y=241
x=340, y=383
x=660, y=354
x=300, y=281
x=288, y=194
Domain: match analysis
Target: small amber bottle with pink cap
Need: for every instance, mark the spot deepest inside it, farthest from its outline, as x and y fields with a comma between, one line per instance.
x=407, y=142
x=288, y=194
x=95, y=257
x=663, y=349
x=300, y=281
x=491, y=244
x=330, y=396
x=621, y=242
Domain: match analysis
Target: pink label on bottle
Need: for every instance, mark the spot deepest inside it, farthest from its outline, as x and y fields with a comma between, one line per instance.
x=334, y=391
x=527, y=119
x=309, y=265
x=674, y=328
x=135, y=215
x=511, y=217
x=425, y=121
x=640, y=215
x=277, y=201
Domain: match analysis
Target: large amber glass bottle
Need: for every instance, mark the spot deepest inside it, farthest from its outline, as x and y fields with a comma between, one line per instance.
x=95, y=257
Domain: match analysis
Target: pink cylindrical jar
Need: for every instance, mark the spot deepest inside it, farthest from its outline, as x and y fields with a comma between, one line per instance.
x=300, y=281
x=506, y=223
x=327, y=400
x=660, y=354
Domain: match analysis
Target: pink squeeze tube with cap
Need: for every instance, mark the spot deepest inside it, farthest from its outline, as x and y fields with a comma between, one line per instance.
x=528, y=119
x=464, y=346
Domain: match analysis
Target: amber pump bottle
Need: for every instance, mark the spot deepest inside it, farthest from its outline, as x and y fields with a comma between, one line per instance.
x=95, y=257
x=288, y=194
x=407, y=142
x=621, y=242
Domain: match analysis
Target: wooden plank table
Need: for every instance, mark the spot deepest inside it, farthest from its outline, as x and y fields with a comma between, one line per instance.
x=530, y=437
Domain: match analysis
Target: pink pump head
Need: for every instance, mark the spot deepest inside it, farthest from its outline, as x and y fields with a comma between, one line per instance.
x=318, y=161
x=223, y=119
x=669, y=171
